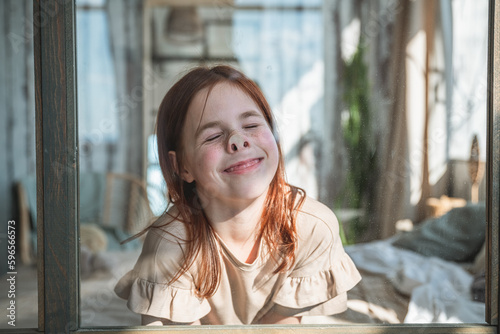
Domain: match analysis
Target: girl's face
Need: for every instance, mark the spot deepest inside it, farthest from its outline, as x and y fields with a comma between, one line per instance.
x=228, y=148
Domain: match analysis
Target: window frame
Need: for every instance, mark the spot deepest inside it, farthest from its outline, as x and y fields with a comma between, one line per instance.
x=58, y=174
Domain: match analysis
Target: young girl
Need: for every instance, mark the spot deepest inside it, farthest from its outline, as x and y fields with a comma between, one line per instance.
x=238, y=245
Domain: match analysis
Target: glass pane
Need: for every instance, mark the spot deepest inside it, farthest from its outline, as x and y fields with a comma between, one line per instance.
x=112, y=197
x=376, y=105
x=18, y=280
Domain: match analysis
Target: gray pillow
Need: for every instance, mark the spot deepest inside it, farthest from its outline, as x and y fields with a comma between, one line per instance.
x=456, y=236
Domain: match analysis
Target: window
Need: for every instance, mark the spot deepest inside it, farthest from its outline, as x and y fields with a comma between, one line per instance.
x=57, y=174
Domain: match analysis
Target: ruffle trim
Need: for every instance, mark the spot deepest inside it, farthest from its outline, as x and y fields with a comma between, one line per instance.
x=301, y=292
x=161, y=300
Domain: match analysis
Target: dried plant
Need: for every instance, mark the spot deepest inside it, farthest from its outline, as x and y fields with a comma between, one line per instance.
x=476, y=169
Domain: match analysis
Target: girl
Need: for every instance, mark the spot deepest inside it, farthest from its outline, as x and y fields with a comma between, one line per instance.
x=238, y=245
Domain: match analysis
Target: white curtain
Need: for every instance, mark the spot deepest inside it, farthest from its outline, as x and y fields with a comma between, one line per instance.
x=126, y=26
x=282, y=50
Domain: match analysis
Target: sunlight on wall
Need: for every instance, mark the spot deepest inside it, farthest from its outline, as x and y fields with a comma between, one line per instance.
x=415, y=110
x=470, y=40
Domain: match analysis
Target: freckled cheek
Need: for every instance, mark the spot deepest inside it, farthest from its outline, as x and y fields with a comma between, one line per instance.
x=268, y=142
x=209, y=159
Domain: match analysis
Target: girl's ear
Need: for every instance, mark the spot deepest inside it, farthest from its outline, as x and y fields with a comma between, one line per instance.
x=185, y=175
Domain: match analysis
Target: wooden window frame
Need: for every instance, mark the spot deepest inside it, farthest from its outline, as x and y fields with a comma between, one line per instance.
x=57, y=189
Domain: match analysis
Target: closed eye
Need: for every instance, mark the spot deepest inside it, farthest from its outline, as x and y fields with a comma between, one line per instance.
x=212, y=138
x=251, y=126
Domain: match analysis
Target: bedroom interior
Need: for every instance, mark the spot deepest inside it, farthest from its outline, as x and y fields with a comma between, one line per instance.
x=382, y=107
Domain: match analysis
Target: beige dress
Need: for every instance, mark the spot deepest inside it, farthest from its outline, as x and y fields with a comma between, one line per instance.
x=315, y=285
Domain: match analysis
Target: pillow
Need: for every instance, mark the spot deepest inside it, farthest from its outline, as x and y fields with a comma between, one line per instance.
x=456, y=236
x=93, y=238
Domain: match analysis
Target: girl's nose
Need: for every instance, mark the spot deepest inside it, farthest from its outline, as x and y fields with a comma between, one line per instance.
x=237, y=142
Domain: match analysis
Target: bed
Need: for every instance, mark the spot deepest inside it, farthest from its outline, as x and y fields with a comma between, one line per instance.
x=433, y=274
x=429, y=275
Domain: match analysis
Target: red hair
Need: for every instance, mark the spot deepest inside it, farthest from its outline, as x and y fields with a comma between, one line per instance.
x=277, y=223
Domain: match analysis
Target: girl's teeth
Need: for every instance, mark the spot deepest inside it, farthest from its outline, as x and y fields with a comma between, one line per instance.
x=243, y=166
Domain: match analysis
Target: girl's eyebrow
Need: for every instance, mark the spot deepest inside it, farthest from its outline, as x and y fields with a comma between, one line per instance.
x=205, y=126
x=215, y=124
x=251, y=113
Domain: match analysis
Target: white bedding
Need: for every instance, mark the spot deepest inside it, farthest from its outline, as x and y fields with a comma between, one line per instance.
x=438, y=290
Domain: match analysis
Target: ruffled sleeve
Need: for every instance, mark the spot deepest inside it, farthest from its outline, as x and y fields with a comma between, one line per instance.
x=324, y=272
x=147, y=288
x=323, y=293
x=160, y=300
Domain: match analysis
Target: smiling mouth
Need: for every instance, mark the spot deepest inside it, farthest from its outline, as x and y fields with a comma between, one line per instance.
x=240, y=166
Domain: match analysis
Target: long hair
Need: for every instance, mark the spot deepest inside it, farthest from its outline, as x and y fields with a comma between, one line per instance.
x=277, y=223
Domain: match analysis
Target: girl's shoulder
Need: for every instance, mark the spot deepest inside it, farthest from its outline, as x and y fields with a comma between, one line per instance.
x=169, y=223
x=318, y=240
x=167, y=234
x=314, y=215
x=163, y=249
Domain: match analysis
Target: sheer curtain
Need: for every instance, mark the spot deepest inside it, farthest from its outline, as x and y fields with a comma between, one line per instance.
x=125, y=28
x=404, y=53
x=280, y=46
x=434, y=118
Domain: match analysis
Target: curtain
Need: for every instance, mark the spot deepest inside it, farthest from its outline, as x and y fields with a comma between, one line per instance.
x=408, y=96
x=282, y=50
x=125, y=28
x=418, y=85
